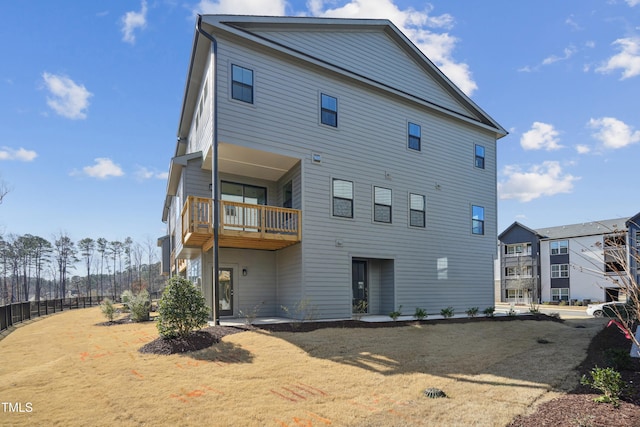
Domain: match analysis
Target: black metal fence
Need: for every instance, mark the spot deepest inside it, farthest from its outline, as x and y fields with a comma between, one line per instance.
x=18, y=312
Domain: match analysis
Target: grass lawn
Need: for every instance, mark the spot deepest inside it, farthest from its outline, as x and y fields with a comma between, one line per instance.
x=72, y=372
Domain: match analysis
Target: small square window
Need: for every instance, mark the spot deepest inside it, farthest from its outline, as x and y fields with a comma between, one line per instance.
x=477, y=220
x=415, y=136
x=479, y=156
x=328, y=110
x=242, y=84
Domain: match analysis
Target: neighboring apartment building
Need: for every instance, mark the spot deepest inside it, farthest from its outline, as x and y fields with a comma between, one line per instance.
x=569, y=263
x=350, y=173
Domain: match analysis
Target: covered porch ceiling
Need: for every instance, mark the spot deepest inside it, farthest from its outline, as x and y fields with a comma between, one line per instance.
x=243, y=161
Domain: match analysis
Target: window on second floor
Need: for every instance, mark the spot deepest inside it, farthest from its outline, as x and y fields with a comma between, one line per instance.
x=415, y=136
x=242, y=84
x=523, y=271
x=479, y=156
x=477, y=220
x=519, y=249
x=559, y=271
x=287, y=195
x=342, y=198
x=328, y=110
x=381, y=204
x=417, y=208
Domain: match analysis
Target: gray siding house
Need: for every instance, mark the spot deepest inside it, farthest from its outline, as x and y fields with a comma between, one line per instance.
x=328, y=164
x=594, y=261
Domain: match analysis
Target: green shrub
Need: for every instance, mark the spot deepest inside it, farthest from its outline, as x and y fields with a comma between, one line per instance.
x=140, y=306
x=108, y=309
x=125, y=298
x=182, y=309
x=447, y=312
x=489, y=311
x=608, y=381
x=420, y=313
x=395, y=314
x=472, y=312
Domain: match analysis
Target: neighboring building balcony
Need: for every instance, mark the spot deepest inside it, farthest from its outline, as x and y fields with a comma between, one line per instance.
x=242, y=225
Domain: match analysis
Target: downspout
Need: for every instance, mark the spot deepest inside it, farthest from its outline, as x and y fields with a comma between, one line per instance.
x=215, y=312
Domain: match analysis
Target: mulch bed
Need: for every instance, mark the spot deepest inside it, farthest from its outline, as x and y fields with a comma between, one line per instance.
x=575, y=409
x=198, y=340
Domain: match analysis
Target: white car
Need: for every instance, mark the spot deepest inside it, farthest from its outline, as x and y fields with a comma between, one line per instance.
x=597, y=310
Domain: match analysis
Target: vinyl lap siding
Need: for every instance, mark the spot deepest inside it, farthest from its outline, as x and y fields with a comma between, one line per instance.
x=355, y=51
x=369, y=143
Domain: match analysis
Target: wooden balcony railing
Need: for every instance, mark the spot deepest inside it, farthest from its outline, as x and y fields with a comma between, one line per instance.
x=242, y=225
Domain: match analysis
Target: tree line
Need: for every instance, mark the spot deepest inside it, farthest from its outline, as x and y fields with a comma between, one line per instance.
x=33, y=268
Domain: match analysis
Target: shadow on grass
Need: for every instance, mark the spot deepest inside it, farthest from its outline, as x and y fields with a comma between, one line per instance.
x=223, y=353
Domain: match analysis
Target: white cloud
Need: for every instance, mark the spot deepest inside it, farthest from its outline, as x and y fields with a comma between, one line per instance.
x=21, y=154
x=245, y=7
x=103, y=168
x=541, y=136
x=568, y=53
x=583, y=149
x=546, y=179
x=132, y=21
x=67, y=98
x=613, y=133
x=628, y=59
x=416, y=25
x=633, y=2
x=143, y=173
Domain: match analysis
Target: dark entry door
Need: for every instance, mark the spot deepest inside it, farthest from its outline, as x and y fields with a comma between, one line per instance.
x=225, y=291
x=360, y=286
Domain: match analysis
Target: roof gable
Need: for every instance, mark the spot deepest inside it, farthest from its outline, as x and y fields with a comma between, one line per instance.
x=372, y=51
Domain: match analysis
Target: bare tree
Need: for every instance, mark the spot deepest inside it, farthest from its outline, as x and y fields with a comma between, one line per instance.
x=41, y=251
x=4, y=189
x=115, y=250
x=128, y=242
x=620, y=263
x=65, y=255
x=101, y=246
x=87, y=246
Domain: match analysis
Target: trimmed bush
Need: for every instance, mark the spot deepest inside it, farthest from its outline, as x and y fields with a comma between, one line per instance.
x=140, y=306
x=182, y=309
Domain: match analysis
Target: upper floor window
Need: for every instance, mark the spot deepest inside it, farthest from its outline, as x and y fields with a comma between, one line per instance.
x=328, y=110
x=242, y=84
x=477, y=219
x=287, y=195
x=342, y=198
x=638, y=239
x=479, y=156
x=517, y=249
x=559, y=247
x=559, y=271
x=417, y=208
x=381, y=204
x=415, y=135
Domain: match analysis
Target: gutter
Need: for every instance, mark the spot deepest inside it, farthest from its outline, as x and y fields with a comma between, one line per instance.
x=214, y=170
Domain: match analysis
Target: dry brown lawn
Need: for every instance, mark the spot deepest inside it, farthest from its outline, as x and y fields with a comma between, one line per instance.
x=73, y=372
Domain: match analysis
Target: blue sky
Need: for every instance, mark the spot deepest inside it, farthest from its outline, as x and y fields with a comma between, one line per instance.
x=90, y=94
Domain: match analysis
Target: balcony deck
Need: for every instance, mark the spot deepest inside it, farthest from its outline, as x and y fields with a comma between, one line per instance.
x=241, y=225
